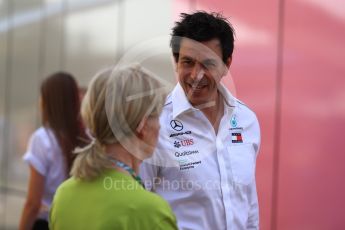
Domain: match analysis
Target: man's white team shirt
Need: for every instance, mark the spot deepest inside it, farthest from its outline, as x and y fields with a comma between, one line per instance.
x=207, y=178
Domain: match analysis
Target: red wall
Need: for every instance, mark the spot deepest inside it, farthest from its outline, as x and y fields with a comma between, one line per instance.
x=288, y=66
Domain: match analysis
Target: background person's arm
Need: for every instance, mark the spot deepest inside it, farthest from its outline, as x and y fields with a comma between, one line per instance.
x=33, y=200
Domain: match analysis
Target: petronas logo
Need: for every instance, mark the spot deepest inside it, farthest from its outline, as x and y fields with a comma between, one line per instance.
x=233, y=121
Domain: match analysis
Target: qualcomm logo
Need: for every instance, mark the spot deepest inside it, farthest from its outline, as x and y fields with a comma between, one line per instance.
x=186, y=153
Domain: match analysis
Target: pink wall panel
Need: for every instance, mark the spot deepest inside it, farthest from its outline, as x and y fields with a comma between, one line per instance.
x=312, y=156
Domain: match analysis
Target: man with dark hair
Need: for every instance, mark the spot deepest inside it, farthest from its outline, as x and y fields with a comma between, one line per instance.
x=204, y=164
x=203, y=27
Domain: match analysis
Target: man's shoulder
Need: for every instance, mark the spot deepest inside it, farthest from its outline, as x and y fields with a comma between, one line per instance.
x=246, y=113
x=244, y=108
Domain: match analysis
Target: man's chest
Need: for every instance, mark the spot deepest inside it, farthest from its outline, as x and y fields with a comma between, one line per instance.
x=196, y=153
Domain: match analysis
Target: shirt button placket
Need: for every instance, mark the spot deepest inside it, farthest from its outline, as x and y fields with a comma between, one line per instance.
x=225, y=187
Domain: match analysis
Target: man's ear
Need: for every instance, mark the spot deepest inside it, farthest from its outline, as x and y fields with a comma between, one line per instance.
x=175, y=65
x=228, y=62
x=227, y=65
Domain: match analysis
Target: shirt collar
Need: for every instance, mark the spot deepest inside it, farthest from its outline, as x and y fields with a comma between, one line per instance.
x=181, y=104
x=229, y=99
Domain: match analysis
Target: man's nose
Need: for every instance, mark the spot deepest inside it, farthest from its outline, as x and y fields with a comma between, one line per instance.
x=197, y=72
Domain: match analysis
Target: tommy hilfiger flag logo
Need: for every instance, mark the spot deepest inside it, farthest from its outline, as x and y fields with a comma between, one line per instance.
x=236, y=138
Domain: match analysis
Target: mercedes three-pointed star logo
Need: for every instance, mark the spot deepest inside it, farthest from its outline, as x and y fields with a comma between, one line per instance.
x=176, y=125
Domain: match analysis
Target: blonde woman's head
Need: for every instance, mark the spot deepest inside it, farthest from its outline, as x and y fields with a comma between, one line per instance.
x=122, y=106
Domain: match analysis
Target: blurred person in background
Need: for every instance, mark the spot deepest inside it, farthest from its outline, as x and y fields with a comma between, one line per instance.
x=50, y=150
x=82, y=92
x=121, y=109
x=211, y=137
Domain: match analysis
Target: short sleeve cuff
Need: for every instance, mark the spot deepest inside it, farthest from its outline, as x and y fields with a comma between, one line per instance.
x=34, y=162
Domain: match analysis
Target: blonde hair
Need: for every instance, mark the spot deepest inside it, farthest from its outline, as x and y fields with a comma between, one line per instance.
x=115, y=103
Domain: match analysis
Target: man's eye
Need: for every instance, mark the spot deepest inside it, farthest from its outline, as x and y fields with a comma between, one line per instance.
x=187, y=62
x=210, y=65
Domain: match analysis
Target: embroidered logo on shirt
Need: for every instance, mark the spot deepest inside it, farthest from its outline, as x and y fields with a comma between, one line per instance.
x=233, y=121
x=181, y=133
x=185, y=162
x=177, y=144
x=236, y=138
x=176, y=125
x=186, y=142
x=186, y=153
x=190, y=165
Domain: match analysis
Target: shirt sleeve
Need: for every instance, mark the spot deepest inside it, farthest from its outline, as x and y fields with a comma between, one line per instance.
x=37, y=153
x=253, y=217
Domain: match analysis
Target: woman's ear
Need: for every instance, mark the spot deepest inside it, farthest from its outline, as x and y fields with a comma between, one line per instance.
x=140, y=130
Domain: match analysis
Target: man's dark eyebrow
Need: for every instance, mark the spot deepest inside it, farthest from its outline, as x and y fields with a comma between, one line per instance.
x=187, y=58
